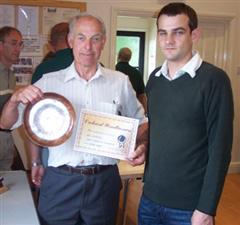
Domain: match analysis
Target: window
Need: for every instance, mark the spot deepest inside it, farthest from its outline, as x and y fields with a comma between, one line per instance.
x=135, y=41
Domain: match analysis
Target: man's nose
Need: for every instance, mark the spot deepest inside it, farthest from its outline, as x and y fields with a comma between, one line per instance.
x=88, y=43
x=169, y=38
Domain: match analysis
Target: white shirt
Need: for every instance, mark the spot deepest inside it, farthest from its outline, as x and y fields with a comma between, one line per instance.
x=107, y=91
x=190, y=67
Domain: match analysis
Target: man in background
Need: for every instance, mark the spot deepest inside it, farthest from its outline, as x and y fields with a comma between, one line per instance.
x=60, y=55
x=135, y=76
x=11, y=44
x=190, y=111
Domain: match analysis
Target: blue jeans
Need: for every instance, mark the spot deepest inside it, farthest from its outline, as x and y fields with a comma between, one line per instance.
x=151, y=213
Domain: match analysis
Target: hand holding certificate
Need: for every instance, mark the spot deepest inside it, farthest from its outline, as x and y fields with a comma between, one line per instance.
x=106, y=134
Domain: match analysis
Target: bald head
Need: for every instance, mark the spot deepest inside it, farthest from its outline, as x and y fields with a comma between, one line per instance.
x=124, y=55
x=76, y=19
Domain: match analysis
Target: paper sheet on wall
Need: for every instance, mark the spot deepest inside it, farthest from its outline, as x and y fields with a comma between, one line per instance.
x=33, y=46
x=28, y=22
x=52, y=16
x=23, y=70
x=7, y=15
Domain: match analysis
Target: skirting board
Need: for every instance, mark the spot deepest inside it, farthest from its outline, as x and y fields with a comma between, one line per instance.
x=234, y=167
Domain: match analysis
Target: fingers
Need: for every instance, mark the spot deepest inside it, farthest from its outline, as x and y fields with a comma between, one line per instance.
x=29, y=94
x=36, y=181
x=138, y=156
x=37, y=174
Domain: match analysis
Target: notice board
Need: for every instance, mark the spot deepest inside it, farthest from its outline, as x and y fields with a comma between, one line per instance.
x=34, y=19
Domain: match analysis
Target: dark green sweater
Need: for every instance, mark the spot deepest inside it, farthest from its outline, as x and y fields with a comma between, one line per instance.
x=62, y=59
x=134, y=75
x=191, y=129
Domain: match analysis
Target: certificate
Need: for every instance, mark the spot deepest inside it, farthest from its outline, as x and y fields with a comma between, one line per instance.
x=106, y=134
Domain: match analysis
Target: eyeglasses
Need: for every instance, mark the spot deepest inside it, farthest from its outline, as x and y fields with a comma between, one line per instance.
x=15, y=44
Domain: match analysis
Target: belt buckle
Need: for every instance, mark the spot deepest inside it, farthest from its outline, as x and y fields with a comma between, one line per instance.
x=93, y=170
x=70, y=169
x=87, y=170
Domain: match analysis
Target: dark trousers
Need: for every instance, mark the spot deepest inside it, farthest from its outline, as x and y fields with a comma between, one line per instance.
x=73, y=199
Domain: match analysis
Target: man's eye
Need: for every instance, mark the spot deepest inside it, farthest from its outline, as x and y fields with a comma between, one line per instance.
x=162, y=34
x=179, y=33
x=81, y=38
x=96, y=39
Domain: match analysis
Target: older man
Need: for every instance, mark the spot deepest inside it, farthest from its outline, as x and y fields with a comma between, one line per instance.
x=81, y=188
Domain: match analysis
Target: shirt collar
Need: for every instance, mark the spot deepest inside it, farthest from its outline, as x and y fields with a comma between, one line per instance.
x=190, y=67
x=71, y=73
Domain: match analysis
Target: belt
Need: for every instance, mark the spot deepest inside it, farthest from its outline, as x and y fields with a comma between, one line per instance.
x=85, y=170
x=5, y=130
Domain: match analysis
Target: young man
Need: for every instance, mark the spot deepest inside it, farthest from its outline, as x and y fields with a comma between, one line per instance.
x=11, y=45
x=190, y=109
x=135, y=76
x=81, y=188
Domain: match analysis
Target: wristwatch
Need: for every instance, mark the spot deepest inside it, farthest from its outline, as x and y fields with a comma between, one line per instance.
x=36, y=163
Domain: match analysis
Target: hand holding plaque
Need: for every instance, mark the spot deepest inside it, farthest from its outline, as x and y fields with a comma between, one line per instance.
x=106, y=134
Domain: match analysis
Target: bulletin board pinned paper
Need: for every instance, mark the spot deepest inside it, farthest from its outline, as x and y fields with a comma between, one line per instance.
x=35, y=19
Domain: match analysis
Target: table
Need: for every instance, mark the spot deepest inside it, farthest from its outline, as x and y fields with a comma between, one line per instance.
x=16, y=205
x=128, y=172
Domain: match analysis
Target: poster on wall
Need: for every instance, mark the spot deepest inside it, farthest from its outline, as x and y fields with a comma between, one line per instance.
x=23, y=70
x=7, y=15
x=32, y=46
x=35, y=31
x=28, y=22
x=52, y=16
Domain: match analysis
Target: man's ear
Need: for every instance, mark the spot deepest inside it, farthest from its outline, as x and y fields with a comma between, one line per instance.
x=70, y=40
x=1, y=45
x=103, y=42
x=196, y=33
x=50, y=47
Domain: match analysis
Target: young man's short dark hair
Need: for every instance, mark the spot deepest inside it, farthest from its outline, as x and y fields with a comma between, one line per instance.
x=177, y=8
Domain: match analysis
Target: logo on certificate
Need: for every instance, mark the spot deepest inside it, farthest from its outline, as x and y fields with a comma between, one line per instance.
x=121, y=141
